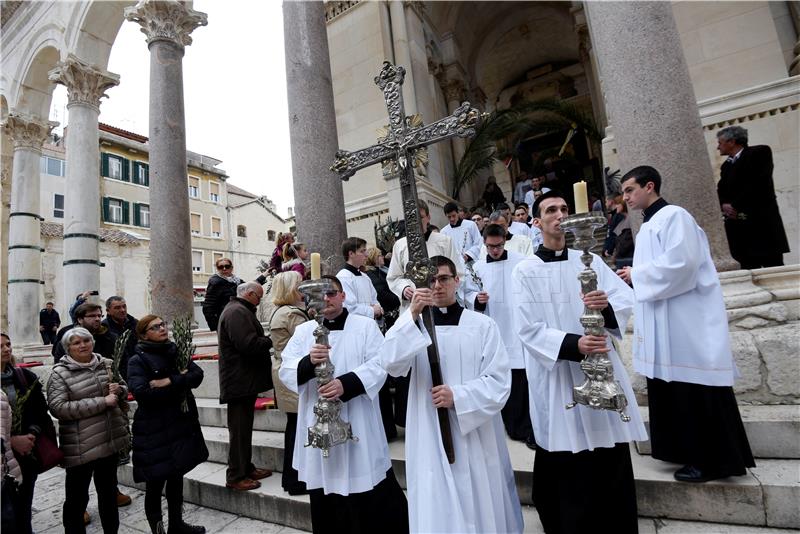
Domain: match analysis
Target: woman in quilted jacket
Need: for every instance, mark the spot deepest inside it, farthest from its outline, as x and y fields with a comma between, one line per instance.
x=92, y=427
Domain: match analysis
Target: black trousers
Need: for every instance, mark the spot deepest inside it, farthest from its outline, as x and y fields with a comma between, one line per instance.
x=387, y=410
x=516, y=413
x=76, y=486
x=383, y=509
x=22, y=513
x=587, y=491
x=289, y=480
x=751, y=261
x=152, y=499
x=695, y=424
x=48, y=336
x=241, y=413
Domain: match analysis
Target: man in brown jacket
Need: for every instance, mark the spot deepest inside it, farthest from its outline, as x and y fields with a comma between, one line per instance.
x=244, y=372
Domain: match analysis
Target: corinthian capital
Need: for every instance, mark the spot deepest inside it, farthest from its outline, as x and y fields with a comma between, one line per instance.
x=27, y=131
x=85, y=84
x=166, y=20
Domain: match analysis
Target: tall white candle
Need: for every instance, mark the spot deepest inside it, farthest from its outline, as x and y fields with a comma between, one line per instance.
x=315, y=266
x=581, y=198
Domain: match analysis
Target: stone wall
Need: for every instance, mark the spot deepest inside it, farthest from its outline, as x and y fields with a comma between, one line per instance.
x=764, y=319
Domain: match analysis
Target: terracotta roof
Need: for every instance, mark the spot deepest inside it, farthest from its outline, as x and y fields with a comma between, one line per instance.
x=124, y=133
x=112, y=235
x=240, y=192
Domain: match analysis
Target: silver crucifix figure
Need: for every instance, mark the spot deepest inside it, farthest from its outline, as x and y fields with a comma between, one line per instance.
x=399, y=145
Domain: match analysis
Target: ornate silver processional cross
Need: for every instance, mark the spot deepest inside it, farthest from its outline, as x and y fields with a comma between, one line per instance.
x=399, y=145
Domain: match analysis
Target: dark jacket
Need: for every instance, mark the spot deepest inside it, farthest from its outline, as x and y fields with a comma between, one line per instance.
x=103, y=343
x=117, y=330
x=35, y=417
x=747, y=185
x=49, y=319
x=218, y=293
x=244, y=361
x=386, y=297
x=167, y=442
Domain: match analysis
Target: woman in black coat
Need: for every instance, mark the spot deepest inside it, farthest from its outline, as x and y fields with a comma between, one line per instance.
x=167, y=442
x=221, y=288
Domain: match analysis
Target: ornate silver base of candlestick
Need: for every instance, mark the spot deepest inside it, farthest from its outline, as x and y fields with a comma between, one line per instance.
x=328, y=430
x=600, y=391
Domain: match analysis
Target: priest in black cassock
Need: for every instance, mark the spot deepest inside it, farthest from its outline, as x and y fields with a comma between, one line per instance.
x=681, y=341
x=582, y=472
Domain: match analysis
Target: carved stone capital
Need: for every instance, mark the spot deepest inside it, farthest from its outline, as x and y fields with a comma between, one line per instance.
x=85, y=83
x=166, y=20
x=26, y=131
x=454, y=90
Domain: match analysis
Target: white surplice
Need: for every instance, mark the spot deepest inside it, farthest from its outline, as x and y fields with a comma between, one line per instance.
x=548, y=307
x=518, y=243
x=680, y=322
x=354, y=466
x=438, y=244
x=359, y=293
x=477, y=493
x=465, y=237
x=497, y=282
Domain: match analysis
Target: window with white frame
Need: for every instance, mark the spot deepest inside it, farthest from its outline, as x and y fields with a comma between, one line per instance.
x=216, y=227
x=194, y=187
x=196, y=223
x=53, y=166
x=115, y=168
x=213, y=193
x=197, y=261
x=144, y=215
x=115, y=210
x=58, y=206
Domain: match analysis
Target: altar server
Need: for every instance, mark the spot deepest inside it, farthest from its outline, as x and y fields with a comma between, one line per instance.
x=582, y=472
x=362, y=298
x=477, y=493
x=516, y=242
x=681, y=341
x=462, y=232
x=495, y=298
x=354, y=489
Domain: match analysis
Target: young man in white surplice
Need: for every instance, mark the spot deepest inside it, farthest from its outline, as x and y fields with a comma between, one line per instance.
x=477, y=493
x=583, y=477
x=362, y=298
x=354, y=489
x=462, y=232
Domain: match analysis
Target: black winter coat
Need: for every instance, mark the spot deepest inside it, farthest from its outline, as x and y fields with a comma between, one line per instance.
x=166, y=441
x=218, y=293
x=35, y=416
x=130, y=349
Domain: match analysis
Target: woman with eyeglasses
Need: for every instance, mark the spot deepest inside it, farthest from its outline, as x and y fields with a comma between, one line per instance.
x=221, y=288
x=167, y=441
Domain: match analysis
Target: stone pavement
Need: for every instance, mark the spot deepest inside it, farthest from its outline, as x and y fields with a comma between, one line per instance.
x=49, y=498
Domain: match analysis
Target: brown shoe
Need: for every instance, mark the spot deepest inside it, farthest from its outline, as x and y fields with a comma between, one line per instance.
x=246, y=484
x=122, y=499
x=259, y=473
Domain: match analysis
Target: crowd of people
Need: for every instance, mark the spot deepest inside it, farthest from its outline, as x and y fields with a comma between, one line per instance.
x=504, y=300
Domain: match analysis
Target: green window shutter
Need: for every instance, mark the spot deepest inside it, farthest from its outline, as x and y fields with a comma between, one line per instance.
x=126, y=212
x=135, y=176
x=136, y=218
x=103, y=164
x=126, y=169
x=146, y=174
x=105, y=208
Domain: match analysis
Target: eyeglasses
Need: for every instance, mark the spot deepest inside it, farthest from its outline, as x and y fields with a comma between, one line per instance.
x=496, y=247
x=332, y=293
x=156, y=327
x=442, y=279
x=225, y=266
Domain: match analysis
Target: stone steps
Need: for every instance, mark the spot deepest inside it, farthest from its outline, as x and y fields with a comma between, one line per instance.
x=767, y=496
x=205, y=486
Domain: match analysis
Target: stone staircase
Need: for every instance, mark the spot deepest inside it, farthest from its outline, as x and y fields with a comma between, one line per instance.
x=766, y=500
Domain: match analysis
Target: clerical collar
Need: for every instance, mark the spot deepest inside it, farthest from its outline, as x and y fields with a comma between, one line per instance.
x=547, y=255
x=651, y=210
x=428, y=232
x=337, y=323
x=352, y=269
x=456, y=225
x=504, y=257
x=509, y=235
x=448, y=316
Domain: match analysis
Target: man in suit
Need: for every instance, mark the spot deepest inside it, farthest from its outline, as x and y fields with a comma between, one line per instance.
x=747, y=196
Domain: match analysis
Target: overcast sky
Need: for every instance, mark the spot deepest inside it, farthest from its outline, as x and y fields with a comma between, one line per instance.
x=234, y=90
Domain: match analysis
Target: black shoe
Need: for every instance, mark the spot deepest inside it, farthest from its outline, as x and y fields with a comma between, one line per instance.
x=185, y=528
x=690, y=473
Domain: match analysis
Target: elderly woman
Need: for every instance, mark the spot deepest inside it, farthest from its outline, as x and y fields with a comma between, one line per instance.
x=167, y=441
x=22, y=386
x=289, y=313
x=93, y=429
x=221, y=288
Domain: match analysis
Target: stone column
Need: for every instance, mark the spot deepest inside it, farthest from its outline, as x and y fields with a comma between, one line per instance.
x=318, y=196
x=167, y=25
x=652, y=107
x=86, y=85
x=24, y=241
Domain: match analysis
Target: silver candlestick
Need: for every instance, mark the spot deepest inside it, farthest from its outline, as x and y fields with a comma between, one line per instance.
x=600, y=391
x=328, y=430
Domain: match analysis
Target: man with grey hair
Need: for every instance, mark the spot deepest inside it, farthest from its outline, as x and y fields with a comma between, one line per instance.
x=514, y=242
x=245, y=371
x=746, y=193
